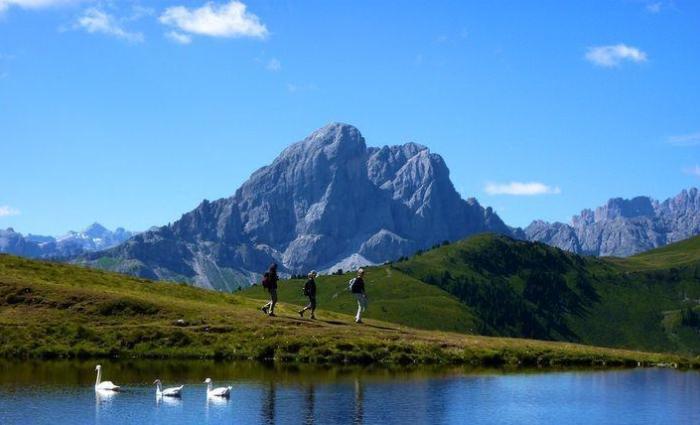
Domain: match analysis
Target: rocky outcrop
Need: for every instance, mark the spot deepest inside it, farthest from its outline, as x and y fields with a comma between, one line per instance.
x=624, y=227
x=325, y=202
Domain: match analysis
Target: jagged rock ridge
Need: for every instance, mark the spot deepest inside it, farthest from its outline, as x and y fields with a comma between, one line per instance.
x=324, y=202
x=624, y=227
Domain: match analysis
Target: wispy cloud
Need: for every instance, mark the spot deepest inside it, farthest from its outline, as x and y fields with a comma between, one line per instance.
x=296, y=88
x=654, y=7
x=178, y=37
x=692, y=139
x=34, y=4
x=94, y=20
x=693, y=171
x=273, y=65
x=521, y=189
x=613, y=55
x=226, y=20
x=7, y=211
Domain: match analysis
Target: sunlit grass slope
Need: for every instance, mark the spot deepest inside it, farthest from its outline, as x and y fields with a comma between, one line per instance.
x=394, y=297
x=52, y=310
x=681, y=254
x=518, y=288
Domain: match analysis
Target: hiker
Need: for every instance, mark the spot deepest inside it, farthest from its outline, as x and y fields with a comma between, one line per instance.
x=269, y=282
x=357, y=287
x=310, y=291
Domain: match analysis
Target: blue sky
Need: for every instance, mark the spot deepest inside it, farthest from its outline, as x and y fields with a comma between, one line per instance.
x=130, y=113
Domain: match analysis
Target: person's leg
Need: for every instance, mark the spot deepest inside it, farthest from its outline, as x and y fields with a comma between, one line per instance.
x=358, y=316
x=265, y=308
x=312, y=306
x=273, y=301
x=307, y=307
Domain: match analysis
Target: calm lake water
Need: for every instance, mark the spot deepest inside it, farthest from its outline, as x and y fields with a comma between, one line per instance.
x=62, y=393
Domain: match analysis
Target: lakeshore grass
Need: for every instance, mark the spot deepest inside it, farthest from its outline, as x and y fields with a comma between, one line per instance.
x=50, y=310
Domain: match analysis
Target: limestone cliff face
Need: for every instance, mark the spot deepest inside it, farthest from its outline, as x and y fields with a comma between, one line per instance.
x=324, y=202
x=624, y=227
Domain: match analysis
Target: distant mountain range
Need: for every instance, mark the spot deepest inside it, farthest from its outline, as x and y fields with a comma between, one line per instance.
x=94, y=238
x=325, y=202
x=624, y=227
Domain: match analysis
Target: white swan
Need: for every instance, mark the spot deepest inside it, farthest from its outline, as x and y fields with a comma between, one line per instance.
x=103, y=385
x=217, y=392
x=168, y=392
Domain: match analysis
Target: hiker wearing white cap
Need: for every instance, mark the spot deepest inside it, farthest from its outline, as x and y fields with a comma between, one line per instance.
x=357, y=287
x=310, y=291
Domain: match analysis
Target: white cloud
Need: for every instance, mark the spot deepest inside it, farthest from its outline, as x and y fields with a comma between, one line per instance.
x=97, y=21
x=273, y=65
x=225, y=20
x=521, y=189
x=6, y=211
x=693, y=171
x=692, y=139
x=179, y=37
x=613, y=55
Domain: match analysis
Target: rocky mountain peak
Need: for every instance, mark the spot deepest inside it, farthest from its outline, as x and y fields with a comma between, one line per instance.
x=325, y=201
x=640, y=206
x=96, y=230
x=336, y=141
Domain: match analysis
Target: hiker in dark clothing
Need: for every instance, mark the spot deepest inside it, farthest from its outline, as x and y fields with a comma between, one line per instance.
x=310, y=291
x=357, y=287
x=270, y=283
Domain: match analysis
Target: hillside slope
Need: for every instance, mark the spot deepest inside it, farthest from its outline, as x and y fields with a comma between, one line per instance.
x=525, y=289
x=684, y=254
x=394, y=297
x=55, y=310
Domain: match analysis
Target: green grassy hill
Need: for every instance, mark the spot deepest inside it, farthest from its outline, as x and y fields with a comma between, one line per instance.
x=684, y=254
x=518, y=288
x=50, y=310
x=394, y=297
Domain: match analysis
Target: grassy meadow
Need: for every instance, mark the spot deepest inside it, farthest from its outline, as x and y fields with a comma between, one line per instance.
x=50, y=310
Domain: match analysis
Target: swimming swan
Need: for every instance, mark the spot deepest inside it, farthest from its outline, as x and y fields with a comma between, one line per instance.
x=105, y=385
x=168, y=392
x=217, y=392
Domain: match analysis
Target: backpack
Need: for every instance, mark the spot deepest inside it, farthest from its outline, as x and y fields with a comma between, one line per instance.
x=351, y=284
x=266, y=282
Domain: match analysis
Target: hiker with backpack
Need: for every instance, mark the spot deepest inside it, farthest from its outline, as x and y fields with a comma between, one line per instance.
x=357, y=287
x=269, y=282
x=310, y=291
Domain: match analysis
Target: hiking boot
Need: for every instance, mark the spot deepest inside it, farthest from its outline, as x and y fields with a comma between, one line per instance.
x=313, y=317
x=272, y=315
x=358, y=320
x=301, y=314
x=264, y=309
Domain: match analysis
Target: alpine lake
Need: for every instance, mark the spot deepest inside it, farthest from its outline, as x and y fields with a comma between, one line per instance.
x=62, y=392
